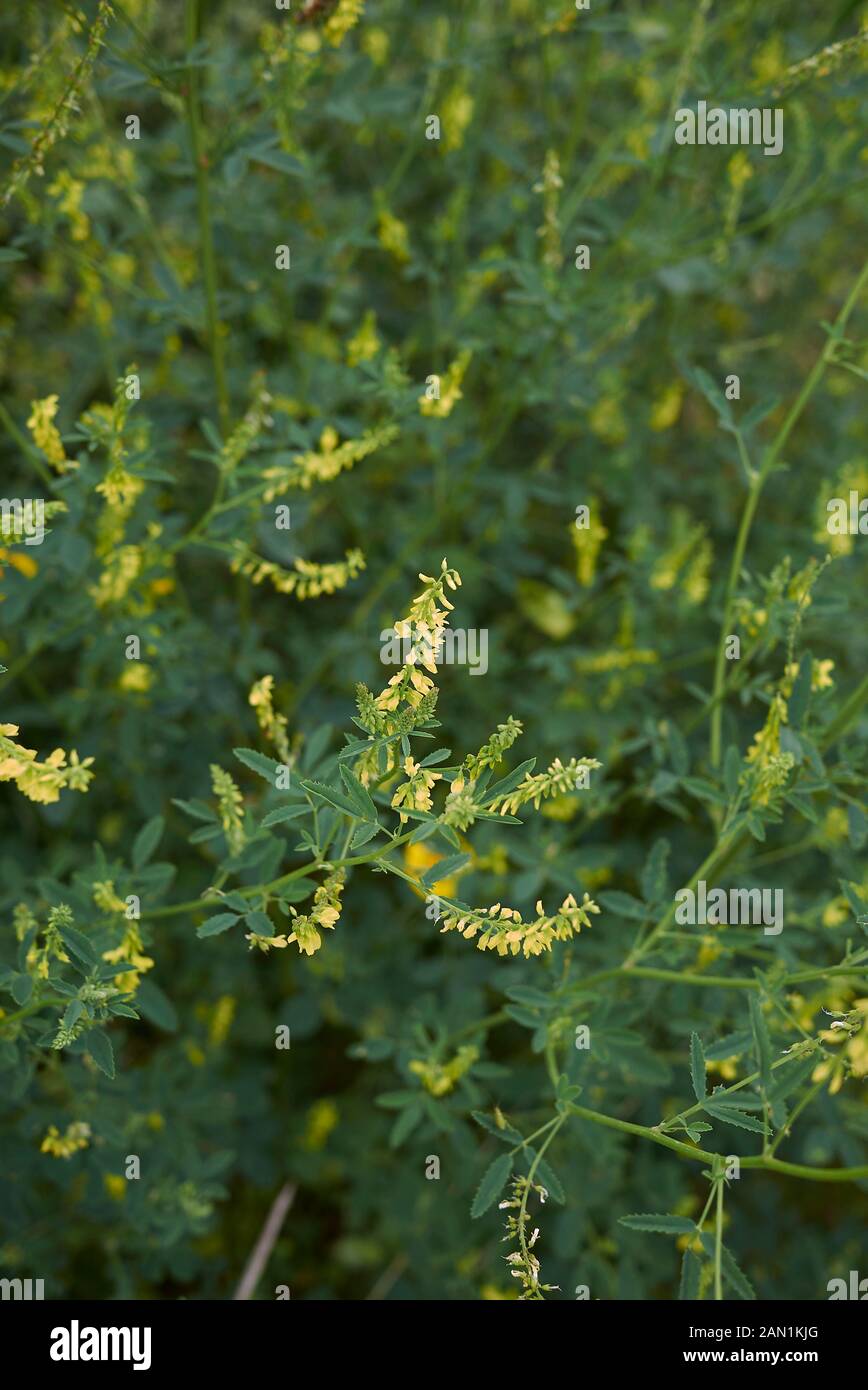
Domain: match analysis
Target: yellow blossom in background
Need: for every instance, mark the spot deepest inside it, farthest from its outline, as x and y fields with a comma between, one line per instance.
x=115, y=1185
x=375, y=42
x=365, y=343
x=440, y=1078
x=344, y=18
x=272, y=724
x=46, y=435
x=306, y=579
x=76, y=1137
x=137, y=677
x=222, y=1017
x=667, y=407
x=456, y=114
x=322, y=1118
x=588, y=542
x=450, y=389
x=130, y=950
x=418, y=858
x=69, y=192
x=121, y=570
x=393, y=236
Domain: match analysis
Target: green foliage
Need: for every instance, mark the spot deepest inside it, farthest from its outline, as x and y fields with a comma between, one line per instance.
x=273, y=912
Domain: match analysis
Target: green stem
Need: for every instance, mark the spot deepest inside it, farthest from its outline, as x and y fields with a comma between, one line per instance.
x=718, y=1243
x=203, y=198
x=759, y=478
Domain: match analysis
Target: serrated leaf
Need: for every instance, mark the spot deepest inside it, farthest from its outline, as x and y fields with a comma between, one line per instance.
x=285, y=813
x=358, y=794
x=731, y=1116
x=444, y=868
x=215, y=925
x=507, y=1135
x=491, y=1185
x=258, y=763
x=546, y=1175
x=736, y=1279
x=80, y=945
x=334, y=798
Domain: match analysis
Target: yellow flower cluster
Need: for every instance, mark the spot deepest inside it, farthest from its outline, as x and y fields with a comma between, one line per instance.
x=558, y=779
x=325, y=463
x=450, y=389
x=392, y=235
x=549, y=187
x=59, y=1145
x=423, y=629
x=42, y=782
x=307, y=579
x=39, y=958
x=439, y=1078
x=230, y=807
x=245, y=434
x=46, y=435
x=588, y=542
x=272, y=724
x=345, y=18
x=415, y=793
x=130, y=950
x=365, y=342
x=768, y=767
x=305, y=932
x=119, y=574
x=504, y=931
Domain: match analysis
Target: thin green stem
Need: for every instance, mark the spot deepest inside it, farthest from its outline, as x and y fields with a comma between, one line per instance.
x=203, y=199
x=718, y=1243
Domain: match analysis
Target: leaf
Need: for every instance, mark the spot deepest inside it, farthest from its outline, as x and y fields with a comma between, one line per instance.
x=729, y=1269
x=21, y=988
x=691, y=1268
x=156, y=1006
x=551, y=1182
x=80, y=945
x=258, y=763
x=405, y=1124
x=147, y=840
x=444, y=868
x=358, y=794
x=761, y=1042
x=660, y=1225
x=697, y=1066
x=857, y=825
x=623, y=905
x=284, y=813
x=365, y=832
x=334, y=798
x=99, y=1046
x=731, y=1116
x=215, y=925
x=507, y=1135
x=731, y=771
x=510, y=782
x=653, y=877
x=491, y=1185
x=797, y=704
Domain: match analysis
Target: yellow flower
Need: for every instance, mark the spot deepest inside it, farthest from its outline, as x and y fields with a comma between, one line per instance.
x=365, y=343
x=344, y=18
x=42, y=782
x=667, y=407
x=137, y=677
x=115, y=1185
x=439, y=1078
x=59, y=1145
x=322, y=1118
x=46, y=435
x=393, y=236
x=273, y=725
x=449, y=389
